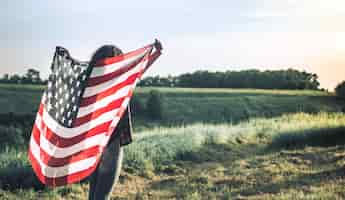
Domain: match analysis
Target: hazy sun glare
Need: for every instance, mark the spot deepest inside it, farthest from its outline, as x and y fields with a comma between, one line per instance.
x=196, y=35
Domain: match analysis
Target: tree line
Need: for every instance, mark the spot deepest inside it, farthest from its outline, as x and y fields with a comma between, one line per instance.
x=32, y=76
x=340, y=90
x=269, y=79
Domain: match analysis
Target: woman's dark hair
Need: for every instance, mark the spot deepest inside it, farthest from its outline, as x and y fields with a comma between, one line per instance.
x=105, y=51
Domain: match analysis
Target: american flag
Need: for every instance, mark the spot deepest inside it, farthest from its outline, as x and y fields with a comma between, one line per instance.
x=79, y=111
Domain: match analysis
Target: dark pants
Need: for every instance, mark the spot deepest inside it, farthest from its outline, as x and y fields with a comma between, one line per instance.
x=107, y=173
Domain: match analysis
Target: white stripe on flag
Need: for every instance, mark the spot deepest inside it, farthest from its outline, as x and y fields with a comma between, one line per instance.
x=72, y=132
x=101, y=71
x=69, y=168
x=123, y=92
x=58, y=152
x=93, y=90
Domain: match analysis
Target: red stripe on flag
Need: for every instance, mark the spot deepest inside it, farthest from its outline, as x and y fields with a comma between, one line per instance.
x=36, y=134
x=58, y=162
x=66, y=142
x=59, y=181
x=152, y=58
x=87, y=118
x=92, y=99
x=41, y=108
x=101, y=79
x=115, y=59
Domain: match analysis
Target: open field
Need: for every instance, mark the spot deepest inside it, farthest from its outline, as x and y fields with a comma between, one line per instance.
x=210, y=144
x=297, y=156
x=190, y=105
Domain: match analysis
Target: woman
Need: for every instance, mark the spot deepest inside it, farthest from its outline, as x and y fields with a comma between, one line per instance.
x=108, y=170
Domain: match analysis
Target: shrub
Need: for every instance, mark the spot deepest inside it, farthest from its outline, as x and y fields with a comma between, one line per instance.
x=154, y=105
x=11, y=136
x=340, y=90
x=312, y=137
x=15, y=170
x=19, y=177
x=137, y=106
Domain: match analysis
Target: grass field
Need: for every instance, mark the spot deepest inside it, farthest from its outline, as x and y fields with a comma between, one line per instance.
x=298, y=156
x=190, y=105
x=210, y=144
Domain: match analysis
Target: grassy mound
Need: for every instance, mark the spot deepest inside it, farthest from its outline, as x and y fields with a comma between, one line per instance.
x=162, y=146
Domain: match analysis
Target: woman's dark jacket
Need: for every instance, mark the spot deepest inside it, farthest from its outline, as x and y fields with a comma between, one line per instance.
x=124, y=128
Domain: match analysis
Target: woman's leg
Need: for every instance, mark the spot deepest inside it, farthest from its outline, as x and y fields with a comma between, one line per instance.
x=108, y=171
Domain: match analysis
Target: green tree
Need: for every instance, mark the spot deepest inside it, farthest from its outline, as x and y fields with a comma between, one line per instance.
x=154, y=105
x=269, y=79
x=6, y=77
x=32, y=76
x=137, y=106
x=340, y=90
x=15, y=78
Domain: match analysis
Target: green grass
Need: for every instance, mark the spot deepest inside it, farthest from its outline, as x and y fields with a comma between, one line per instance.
x=210, y=144
x=164, y=145
x=225, y=91
x=190, y=105
x=298, y=156
x=20, y=99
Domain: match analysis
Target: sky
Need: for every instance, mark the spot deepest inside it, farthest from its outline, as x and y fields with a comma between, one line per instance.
x=215, y=35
